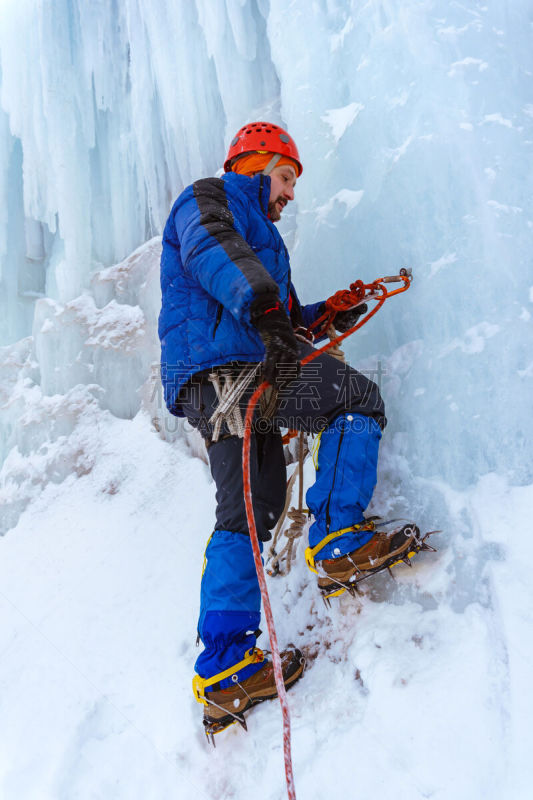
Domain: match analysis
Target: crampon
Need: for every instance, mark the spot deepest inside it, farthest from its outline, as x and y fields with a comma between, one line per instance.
x=225, y=707
x=382, y=552
x=212, y=726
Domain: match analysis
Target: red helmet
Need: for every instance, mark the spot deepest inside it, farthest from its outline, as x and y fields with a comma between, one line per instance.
x=262, y=136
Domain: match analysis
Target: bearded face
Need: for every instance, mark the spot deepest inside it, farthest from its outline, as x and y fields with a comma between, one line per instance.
x=282, y=183
x=276, y=207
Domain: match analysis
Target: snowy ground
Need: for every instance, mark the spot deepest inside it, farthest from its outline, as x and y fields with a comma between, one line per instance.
x=417, y=690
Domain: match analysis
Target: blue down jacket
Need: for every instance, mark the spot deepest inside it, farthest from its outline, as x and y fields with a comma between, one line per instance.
x=220, y=251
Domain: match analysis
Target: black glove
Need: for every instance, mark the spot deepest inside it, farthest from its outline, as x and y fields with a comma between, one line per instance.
x=344, y=320
x=282, y=357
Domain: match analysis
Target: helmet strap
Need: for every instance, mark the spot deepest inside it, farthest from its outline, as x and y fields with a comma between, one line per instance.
x=271, y=164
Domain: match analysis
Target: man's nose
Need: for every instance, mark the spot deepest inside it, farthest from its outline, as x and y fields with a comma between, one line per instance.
x=289, y=192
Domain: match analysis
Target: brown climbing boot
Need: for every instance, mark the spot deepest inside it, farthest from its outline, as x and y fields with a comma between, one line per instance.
x=225, y=706
x=382, y=551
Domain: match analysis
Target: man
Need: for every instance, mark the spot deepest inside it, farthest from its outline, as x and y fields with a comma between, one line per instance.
x=227, y=303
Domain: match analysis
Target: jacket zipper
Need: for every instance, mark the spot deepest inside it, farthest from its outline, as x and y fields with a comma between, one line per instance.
x=220, y=309
x=265, y=211
x=328, y=518
x=261, y=183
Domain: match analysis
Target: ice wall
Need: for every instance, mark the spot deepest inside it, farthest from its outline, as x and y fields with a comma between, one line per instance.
x=415, y=126
x=417, y=142
x=107, y=110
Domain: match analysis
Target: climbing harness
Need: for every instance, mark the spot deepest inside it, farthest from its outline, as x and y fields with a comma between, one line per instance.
x=229, y=390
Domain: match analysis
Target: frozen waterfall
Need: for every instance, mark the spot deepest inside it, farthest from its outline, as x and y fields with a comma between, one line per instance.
x=414, y=121
x=415, y=125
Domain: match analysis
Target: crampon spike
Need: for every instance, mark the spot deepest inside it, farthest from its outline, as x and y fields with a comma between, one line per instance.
x=218, y=726
x=424, y=545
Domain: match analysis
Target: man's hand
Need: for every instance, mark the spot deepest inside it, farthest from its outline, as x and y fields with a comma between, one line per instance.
x=281, y=360
x=344, y=320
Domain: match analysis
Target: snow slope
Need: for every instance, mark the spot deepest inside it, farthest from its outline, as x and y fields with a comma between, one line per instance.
x=412, y=691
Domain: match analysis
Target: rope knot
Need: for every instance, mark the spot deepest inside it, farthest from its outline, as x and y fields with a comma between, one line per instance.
x=295, y=529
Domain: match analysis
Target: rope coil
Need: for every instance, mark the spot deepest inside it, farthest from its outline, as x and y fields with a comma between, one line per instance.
x=229, y=392
x=297, y=516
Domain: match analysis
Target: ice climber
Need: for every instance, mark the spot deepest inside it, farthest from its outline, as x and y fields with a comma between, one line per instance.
x=228, y=301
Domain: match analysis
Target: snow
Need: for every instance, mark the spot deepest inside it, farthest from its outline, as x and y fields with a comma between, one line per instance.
x=416, y=141
x=504, y=208
x=467, y=62
x=440, y=263
x=473, y=339
x=498, y=119
x=419, y=687
x=340, y=119
x=349, y=198
x=396, y=153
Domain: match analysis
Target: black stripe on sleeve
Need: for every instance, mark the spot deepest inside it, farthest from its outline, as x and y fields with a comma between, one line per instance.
x=217, y=219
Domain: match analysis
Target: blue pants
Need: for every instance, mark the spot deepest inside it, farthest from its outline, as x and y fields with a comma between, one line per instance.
x=230, y=605
x=348, y=409
x=345, y=481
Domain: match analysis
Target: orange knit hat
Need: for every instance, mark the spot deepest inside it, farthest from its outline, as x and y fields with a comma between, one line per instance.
x=251, y=163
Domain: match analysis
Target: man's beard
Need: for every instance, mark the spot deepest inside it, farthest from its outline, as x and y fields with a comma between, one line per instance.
x=274, y=211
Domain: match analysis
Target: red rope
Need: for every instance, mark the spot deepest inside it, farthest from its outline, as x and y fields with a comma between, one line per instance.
x=356, y=295
x=276, y=659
